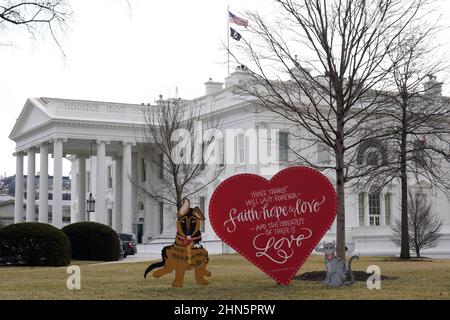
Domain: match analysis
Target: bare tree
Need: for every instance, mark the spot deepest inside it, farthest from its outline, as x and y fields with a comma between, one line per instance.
x=31, y=14
x=3, y=188
x=177, y=137
x=320, y=67
x=414, y=122
x=424, y=225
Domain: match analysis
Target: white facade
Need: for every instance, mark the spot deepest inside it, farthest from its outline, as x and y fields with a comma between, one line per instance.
x=70, y=128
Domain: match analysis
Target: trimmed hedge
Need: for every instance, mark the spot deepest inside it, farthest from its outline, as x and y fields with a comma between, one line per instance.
x=93, y=241
x=34, y=244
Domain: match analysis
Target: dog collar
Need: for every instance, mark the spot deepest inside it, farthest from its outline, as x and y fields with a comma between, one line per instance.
x=187, y=240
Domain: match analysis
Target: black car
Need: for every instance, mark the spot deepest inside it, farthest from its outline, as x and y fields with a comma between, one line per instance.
x=129, y=244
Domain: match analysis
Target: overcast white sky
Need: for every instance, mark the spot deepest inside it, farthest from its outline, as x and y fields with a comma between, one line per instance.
x=118, y=55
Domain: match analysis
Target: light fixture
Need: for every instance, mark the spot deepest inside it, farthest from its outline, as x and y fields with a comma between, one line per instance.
x=90, y=203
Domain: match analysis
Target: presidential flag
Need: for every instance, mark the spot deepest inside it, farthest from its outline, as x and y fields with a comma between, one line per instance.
x=235, y=35
x=236, y=20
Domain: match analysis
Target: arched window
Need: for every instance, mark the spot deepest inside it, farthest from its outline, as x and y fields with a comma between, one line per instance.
x=419, y=153
x=372, y=153
x=373, y=157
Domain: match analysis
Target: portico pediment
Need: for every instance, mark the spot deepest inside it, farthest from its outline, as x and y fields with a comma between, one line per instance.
x=45, y=119
x=33, y=116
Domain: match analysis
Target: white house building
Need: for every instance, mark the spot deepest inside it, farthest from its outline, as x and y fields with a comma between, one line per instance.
x=101, y=141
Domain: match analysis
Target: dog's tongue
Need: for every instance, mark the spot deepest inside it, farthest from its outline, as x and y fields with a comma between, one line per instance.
x=329, y=256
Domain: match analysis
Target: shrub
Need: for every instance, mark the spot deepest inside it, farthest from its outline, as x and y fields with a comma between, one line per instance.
x=34, y=244
x=93, y=241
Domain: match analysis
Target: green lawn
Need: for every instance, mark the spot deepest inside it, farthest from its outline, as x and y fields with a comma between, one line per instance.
x=233, y=278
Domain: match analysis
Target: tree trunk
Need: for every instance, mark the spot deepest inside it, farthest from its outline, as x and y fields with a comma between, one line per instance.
x=340, y=217
x=340, y=190
x=404, y=248
x=418, y=253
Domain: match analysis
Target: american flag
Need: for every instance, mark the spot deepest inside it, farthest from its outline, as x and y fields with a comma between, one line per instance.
x=236, y=20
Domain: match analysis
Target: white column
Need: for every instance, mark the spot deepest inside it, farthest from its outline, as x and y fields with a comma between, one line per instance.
x=366, y=210
x=149, y=212
x=100, y=184
x=57, y=183
x=81, y=214
x=156, y=218
x=117, y=217
x=134, y=189
x=43, y=184
x=18, y=201
x=127, y=205
x=382, y=210
x=31, y=188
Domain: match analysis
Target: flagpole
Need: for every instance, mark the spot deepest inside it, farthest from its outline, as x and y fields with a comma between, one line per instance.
x=228, y=37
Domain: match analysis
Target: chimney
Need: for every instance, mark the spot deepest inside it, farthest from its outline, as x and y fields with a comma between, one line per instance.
x=161, y=101
x=433, y=87
x=299, y=72
x=212, y=87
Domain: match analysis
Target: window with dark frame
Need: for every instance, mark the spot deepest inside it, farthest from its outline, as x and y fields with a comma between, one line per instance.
x=203, y=164
x=161, y=166
x=419, y=153
x=323, y=154
x=283, y=146
x=374, y=208
x=110, y=177
x=161, y=217
x=372, y=158
x=221, y=152
x=143, y=170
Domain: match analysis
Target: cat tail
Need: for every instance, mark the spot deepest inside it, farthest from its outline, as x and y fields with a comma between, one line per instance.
x=350, y=271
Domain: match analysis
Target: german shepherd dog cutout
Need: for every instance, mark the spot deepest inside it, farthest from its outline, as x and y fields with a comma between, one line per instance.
x=186, y=253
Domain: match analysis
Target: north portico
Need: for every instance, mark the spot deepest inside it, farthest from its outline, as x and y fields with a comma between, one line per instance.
x=74, y=129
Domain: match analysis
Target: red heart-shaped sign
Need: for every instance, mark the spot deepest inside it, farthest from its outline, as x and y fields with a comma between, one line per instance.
x=274, y=224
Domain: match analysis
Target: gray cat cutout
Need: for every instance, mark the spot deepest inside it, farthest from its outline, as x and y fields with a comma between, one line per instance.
x=338, y=274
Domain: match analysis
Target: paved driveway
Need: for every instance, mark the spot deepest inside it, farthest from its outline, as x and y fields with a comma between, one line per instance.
x=138, y=257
